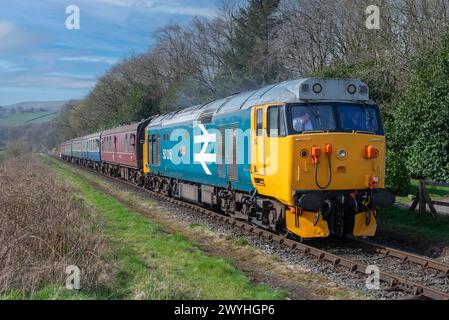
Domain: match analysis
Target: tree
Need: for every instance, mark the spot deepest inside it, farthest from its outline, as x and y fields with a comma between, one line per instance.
x=422, y=116
x=140, y=103
x=256, y=27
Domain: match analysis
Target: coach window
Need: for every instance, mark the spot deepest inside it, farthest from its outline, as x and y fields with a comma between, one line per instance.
x=126, y=143
x=259, y=121
x=132, y=143
x=276, y=122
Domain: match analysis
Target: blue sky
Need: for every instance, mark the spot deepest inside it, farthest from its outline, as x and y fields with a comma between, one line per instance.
x=41, y=60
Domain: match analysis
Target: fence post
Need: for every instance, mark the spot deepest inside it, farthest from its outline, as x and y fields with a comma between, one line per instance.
x=422, y=202
x=423, y=198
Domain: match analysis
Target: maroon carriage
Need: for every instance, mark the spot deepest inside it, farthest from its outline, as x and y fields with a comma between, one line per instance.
x=121, y=150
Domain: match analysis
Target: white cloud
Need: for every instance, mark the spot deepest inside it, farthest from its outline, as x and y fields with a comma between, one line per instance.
x=7, y=66
x=167, y=7
x=12, y=38
x=6, y=28
x=46, y=81
x=185, y=10
x=120, y=3
x=90, y=59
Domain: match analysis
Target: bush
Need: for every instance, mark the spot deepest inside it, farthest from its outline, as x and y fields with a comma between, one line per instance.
x=422, y=117
x=43, y=229
x=397, y=177
x=17, y=149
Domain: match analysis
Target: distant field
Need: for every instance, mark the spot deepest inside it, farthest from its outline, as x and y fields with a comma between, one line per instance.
x=2, y=153
x=18, y=119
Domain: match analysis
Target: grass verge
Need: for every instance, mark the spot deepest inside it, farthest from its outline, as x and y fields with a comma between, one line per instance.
x=401, y=220
x=436, y=193
x=156, y=265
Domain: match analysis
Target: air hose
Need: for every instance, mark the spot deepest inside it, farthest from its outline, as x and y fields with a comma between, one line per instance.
x=330, y=175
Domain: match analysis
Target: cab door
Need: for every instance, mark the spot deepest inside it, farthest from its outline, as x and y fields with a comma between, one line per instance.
x=258, y=163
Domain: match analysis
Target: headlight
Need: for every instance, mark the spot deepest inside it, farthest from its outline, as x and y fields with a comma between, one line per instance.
x=317, y=88
x=342, y=154
x=352, y=89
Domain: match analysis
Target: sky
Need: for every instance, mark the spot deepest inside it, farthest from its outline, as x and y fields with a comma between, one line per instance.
x=41, y=60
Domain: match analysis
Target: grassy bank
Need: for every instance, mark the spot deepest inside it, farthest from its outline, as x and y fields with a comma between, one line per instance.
x=401, y=220
x=156, y=265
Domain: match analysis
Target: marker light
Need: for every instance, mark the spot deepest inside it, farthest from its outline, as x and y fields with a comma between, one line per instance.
x=363, y=90
x=305, y=87
x=371, y=152
x=352, y=89
x=317, y=88
x=315, y=154
x=328, y=149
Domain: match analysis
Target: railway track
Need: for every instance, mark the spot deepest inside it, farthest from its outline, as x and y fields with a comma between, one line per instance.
x=357, y=263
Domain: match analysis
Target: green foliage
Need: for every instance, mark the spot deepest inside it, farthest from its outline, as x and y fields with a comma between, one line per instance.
x=422, y=117
x=397, y=176
x=140, y=103
x=254, y=30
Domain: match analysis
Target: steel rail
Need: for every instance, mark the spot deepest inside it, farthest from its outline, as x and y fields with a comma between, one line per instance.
x=405, y=256
x=393, y=281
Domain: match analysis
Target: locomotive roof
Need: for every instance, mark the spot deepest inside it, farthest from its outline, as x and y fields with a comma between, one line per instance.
x=285, y=92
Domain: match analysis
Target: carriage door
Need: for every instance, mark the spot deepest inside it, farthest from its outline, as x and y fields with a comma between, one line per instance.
x=259, y=133
x=115, y=147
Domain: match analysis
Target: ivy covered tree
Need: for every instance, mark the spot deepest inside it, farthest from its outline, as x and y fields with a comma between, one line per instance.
x=255, y=31
x=421, y=125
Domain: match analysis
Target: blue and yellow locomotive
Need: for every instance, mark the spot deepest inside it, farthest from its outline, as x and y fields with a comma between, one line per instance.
x=305, y=157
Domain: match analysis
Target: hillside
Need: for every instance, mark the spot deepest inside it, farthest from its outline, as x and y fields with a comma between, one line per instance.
x=48, y=105
x=29, y=112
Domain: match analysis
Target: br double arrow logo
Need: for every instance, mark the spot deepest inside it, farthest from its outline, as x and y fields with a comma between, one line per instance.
x=203, y=157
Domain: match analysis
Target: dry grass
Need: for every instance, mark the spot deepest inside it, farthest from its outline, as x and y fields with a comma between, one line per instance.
x=43, y=229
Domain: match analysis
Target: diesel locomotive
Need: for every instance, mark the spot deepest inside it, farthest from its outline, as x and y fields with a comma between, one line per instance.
x=303, y=157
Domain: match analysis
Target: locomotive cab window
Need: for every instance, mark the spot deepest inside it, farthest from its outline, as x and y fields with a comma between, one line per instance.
x=312, y=118
x=358, y=118
x=335, y=117
x=276, y=122
x=259, y=122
